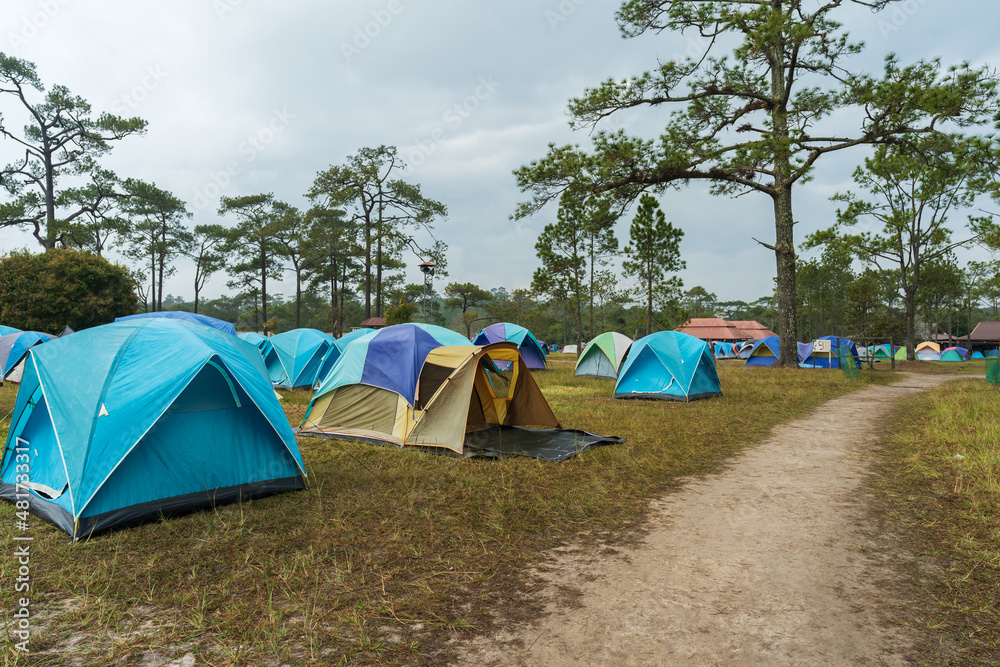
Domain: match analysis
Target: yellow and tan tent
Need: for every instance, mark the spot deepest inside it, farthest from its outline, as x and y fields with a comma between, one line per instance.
x=459, y=391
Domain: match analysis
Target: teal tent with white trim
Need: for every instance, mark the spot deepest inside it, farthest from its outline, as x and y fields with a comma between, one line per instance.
x=668, y=365
x=275, y=371
x=301, y=352
x=126, y=422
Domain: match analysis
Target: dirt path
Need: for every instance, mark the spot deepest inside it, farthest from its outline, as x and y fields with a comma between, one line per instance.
x=760, y=564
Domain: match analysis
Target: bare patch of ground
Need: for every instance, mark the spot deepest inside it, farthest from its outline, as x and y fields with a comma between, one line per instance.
x=764, y=563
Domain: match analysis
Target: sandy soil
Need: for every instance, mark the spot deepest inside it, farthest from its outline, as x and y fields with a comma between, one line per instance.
x=763, y=563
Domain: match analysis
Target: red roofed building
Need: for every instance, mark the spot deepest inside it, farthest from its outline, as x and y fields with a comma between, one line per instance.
x=756, y=330
x=723, y=331
x=713, y=328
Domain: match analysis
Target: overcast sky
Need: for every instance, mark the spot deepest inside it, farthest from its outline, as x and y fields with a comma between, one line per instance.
x=247, y=96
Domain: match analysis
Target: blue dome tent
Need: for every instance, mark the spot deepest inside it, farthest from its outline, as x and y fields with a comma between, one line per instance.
x=526, y=342
x=275, y=371
x=301, y=352
x=130, y=421
x=668, y=365
x=204, y=320
x=764, y=352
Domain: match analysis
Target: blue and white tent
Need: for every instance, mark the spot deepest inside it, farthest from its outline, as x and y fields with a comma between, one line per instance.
x=301, y=352
x=184, y=316
x=668, y=365
x=14, y=348
x=830, y=359
x=125, y=422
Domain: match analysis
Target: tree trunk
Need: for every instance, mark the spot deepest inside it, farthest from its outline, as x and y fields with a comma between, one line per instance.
x=152, y=281
x=378, y=270
x=368, y=268
x=649, y=303
x=298, y=296
x=50, y=201
x=911, y=326
x=592, y=287
x=784, y=237
x=263, y=288
x=163, y=260
x=784, y=253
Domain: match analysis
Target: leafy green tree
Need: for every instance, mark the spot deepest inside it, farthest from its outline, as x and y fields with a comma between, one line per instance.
x=756, y=119
x=254, y=247
x=206, y=252
x=400, y=313
x=909, y=191
x=940, y=287
x=332, y=242
x=63, y=287
x=382, y=207
x=601, y=245
x=653, y=252
x=700, y=302
x=292, y=232
x=514, y=306
x=465, y=297
x=562, y=249
x=155, y=232
x=100, y=221
x=822, y=300
x=61, y=138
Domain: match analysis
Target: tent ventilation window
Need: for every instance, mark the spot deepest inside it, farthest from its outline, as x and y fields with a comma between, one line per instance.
x=499, y=383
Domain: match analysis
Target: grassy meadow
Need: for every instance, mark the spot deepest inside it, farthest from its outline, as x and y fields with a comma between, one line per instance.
x=391, y=553
x=939, y=487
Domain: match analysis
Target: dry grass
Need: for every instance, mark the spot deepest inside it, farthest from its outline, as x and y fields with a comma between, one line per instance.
x=940, y=490
x=391, y=553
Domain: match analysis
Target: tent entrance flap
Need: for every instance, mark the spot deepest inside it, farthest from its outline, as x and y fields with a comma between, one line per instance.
x=546, y=444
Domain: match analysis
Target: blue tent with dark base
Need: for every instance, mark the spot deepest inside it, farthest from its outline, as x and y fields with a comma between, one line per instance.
x=204, y=320
x=275, y=371
x=301, y=352
x=764, y=352
x=668, y=365
x=126, y=422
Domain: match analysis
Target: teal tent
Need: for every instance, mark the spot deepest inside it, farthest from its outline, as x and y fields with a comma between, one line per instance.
x=668, y=365
x=126, y=422
x=336, y=350
x=301, y=352
x=275, y=371
x=8, y=330
x=195, y=318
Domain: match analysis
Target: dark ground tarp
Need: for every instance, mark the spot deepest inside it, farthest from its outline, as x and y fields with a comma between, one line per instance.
x=550, y=444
